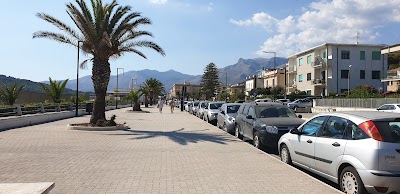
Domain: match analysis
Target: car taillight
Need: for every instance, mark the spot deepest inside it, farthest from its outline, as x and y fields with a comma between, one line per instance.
x=371, y=130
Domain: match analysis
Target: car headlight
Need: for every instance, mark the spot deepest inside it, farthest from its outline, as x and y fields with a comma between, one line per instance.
x=270, y=129
x=231, y=119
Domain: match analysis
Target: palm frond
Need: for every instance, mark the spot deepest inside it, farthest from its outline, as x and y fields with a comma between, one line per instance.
x=53, y=36
x=62, y=26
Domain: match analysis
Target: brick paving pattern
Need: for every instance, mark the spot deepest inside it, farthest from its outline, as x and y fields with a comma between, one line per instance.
x=161, y=153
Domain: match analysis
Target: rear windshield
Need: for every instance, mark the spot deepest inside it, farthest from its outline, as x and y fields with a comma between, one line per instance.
x=390, y=131
x=215, y=105
x=268, y=112
x=232, y=108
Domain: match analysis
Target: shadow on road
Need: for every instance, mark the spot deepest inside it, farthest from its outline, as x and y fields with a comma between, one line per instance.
x=179, y=136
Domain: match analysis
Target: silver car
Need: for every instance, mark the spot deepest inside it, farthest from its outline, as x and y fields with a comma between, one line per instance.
x=226, y=116
x=211, y=111
x=200, y=109
x=300, y=103
x=360, y=151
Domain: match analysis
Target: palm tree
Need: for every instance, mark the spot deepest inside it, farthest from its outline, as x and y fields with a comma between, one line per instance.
x=10, y=94
x=135, y=96
x=154, y=87
x=106, y=31
x=55, y=90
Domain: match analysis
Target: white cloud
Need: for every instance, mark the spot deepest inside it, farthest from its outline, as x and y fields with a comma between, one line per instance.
x=326, y=21
x=158, y=2
x=210, y=7
x=259, y=19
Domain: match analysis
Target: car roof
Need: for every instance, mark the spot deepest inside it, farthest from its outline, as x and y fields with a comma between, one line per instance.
x=367, y=115
x=264, y=104
x=391, y=104
x=230, y=104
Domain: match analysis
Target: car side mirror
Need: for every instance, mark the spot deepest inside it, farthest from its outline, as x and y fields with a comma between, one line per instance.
x=300, y=116
x=249, y=117
x=295, y=131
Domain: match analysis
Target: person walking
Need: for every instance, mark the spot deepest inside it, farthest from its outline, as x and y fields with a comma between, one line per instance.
x=160, y=105
x=172, y=105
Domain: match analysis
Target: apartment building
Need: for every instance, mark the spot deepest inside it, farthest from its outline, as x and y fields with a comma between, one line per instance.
x=393, y=76
x=177, y=89
x=333, y=68
x=253, y=82
x=236, y=89
x=273, y=77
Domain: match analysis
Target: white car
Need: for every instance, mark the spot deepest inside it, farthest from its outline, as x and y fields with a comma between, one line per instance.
x=389, y=108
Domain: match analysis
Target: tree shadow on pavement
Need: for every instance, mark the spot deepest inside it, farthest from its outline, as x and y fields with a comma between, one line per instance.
x=180, y=136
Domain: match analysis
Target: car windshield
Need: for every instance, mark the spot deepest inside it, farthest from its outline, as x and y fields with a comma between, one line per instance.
x=196, y=104
x=215, y=105
x=232, y=108
x=269, y=112
x=390, y=131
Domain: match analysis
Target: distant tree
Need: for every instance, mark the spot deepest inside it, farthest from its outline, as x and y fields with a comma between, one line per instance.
x=394, y=61
x=107, y=31
x=10, y=94
x=153, y=88
x=55, y=90
x=278, y=90
x=209, y=80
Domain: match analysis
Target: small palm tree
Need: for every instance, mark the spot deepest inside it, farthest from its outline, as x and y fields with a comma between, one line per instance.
x=135, y=96
x=55, y=90
x=106, y=31
x=10, y=94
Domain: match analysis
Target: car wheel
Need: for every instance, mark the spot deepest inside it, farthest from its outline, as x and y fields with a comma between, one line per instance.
x=219, y=127
x=224, y=127
x=237, y=132
x=285, y=155
x=350, y=181
x=256, y=140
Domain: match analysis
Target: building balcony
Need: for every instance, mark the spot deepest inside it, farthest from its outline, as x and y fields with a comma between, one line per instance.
x=319, y=82
x=292, y=69
x=319, y=62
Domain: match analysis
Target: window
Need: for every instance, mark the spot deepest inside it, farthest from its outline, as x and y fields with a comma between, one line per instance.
x=246, y=109
x=301, y=78
x=334, y=128
x=232, y=108
x=308, y=92
x=376, y=55
x=345, y=54
x=376, y=74
x=311, y=127
x=308, y=76
x=353, y=132
x=324, y=55
x=362, y=74
x=300, y=61
x=309, y=59
x=344, y=74
x=362, y=55
x=251, y=112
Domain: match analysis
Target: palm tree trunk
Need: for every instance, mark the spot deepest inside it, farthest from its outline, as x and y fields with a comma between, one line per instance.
x=151, y=98
x=100, y=77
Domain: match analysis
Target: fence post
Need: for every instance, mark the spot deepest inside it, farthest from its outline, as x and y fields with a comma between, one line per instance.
x=70, y=107
x=18, y=109
x=41, y=108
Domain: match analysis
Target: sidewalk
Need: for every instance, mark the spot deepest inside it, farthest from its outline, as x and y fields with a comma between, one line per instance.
x=161, y=153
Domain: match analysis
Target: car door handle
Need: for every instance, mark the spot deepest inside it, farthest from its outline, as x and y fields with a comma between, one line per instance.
x=309, y=141
x=336, y=144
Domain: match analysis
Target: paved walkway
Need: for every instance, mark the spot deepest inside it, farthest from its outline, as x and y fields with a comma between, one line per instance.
x=161, y=153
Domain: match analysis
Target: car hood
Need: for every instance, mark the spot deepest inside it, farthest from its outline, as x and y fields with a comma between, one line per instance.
x=281, y=121
x=213, y=110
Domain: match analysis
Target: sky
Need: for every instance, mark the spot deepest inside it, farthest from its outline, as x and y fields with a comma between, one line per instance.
x=194, y=33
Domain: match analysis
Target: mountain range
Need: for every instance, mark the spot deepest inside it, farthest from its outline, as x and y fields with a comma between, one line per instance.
x=235, y=73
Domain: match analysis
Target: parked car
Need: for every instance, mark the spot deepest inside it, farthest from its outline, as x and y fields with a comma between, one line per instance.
x=186, y=105
x=200, y=110
x=194, y=108
x=226, y=116
x=264, y=123
x=389, y=108
x=264, y=100
x=211, y=111
x=360, y=151
x=300, y=103
x=283, y=101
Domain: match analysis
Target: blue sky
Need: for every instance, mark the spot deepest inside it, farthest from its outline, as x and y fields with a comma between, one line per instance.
x=194, y=33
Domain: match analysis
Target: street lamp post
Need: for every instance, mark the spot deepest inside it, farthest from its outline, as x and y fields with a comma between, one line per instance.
x=133, y=89
x=348, y=83
x=116, y=100
x=273, y=83
x=226, y=86
x=77, y=83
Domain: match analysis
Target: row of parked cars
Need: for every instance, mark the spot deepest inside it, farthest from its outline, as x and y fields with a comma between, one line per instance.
x=360, y=151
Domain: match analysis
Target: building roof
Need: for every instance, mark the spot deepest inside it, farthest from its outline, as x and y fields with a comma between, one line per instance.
x=336, y=44
x=392, y=49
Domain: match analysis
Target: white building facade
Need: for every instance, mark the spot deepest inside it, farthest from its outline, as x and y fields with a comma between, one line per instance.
x=331, y=69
